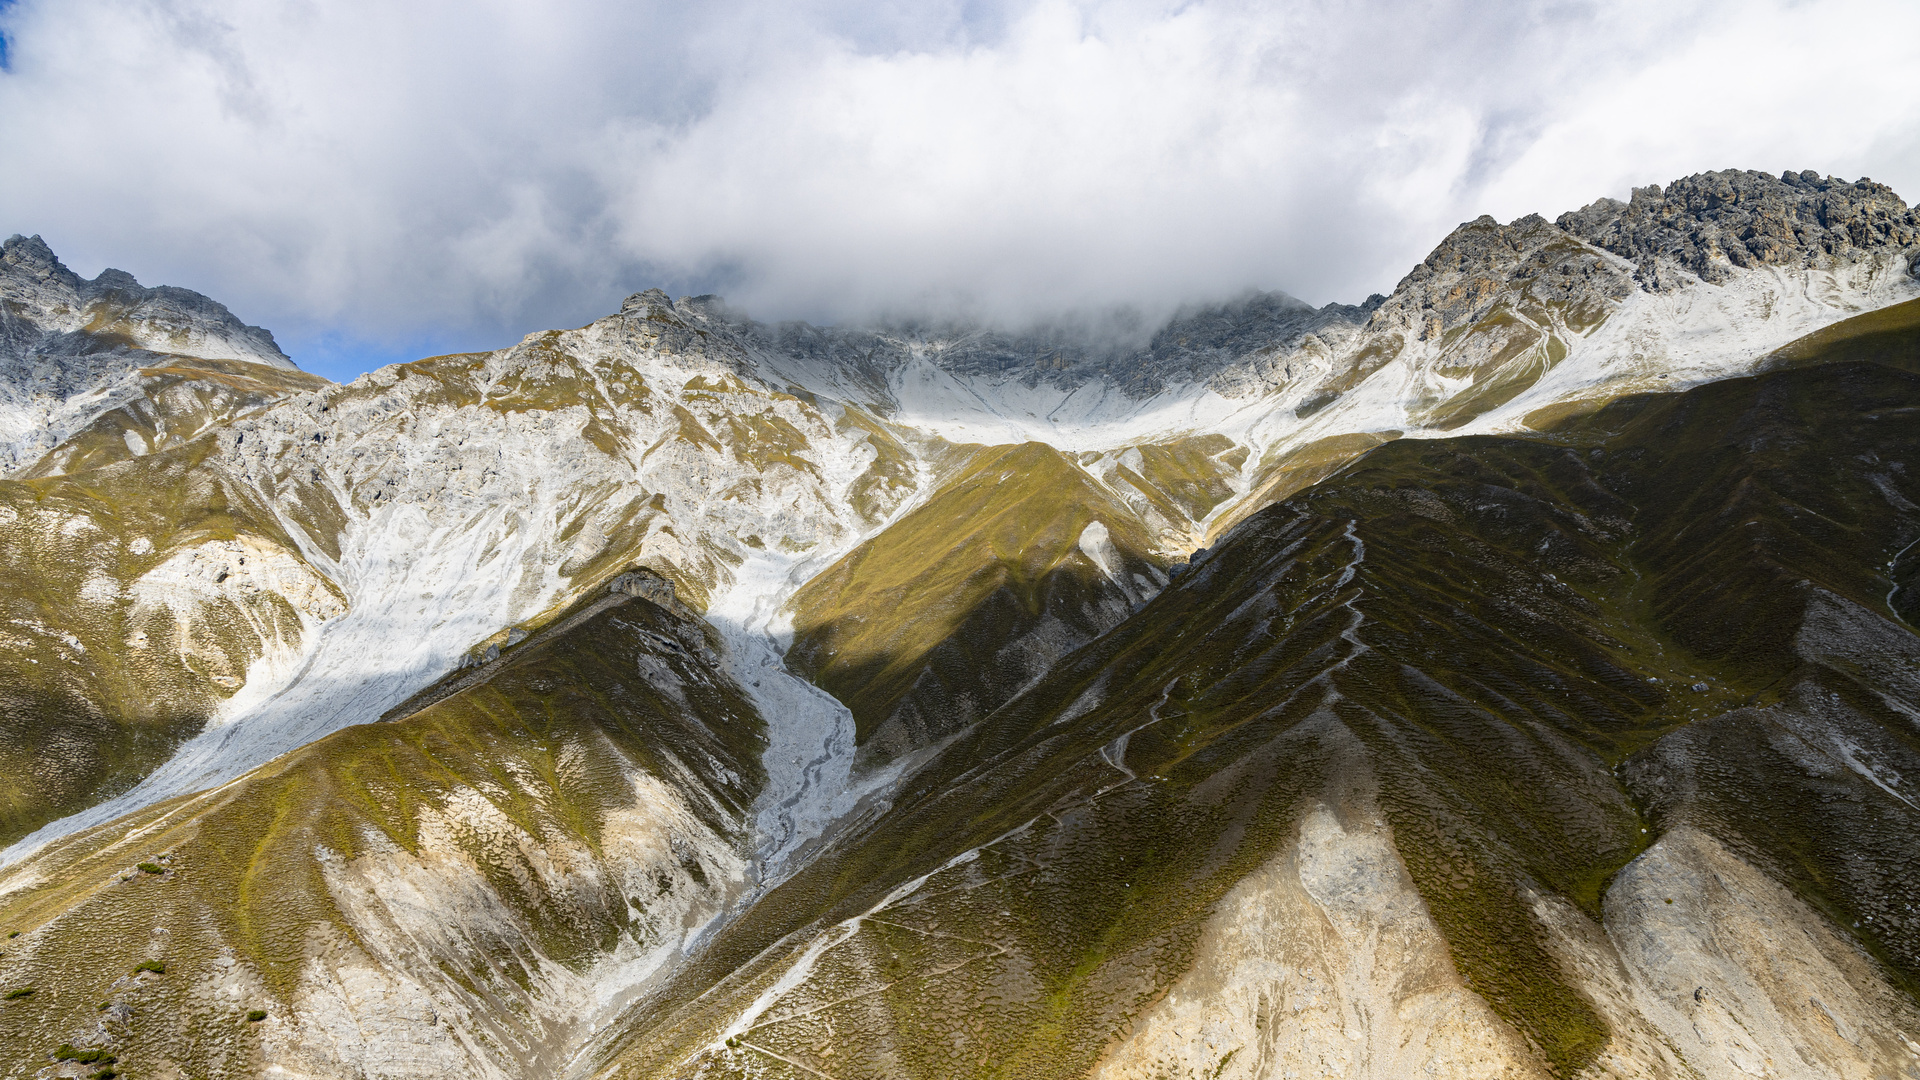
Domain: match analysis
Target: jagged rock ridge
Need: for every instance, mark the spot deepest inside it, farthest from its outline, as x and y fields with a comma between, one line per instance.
x=70, y=348
x=1712, y=223
x=986, y=853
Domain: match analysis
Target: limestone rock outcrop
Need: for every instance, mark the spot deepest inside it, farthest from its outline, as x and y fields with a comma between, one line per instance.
x=70, y=349
x=1711, y=224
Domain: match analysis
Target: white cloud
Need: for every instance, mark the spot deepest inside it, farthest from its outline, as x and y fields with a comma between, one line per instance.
x=1828, y=86
x=466, y=172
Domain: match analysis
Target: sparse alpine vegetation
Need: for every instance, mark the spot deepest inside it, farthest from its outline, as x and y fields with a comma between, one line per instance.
x=1514, y=675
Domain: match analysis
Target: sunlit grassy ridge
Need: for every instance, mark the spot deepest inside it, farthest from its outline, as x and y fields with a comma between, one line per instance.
x=1885, y=336
x=1539, y=652
x=942, y=616
x=1179, y=481
x=1284, y=473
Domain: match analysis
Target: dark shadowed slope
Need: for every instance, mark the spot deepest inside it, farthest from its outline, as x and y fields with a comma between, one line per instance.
x=1595, y=734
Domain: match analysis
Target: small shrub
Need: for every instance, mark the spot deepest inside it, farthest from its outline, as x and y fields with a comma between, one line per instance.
x=151, y=868
x=254, y=1016
x=89, y=1056
x=13, y=933
x=158, y=967
x=105, y=1074
x=16, y=995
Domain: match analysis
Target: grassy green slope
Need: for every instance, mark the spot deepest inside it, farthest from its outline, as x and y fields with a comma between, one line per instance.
x=249, y=882
x=941, y=617
x=96, y=688
x=1486, y=629
x=1886, y=336
x=1788, y=563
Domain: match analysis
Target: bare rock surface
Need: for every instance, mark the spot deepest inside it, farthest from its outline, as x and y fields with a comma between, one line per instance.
x=1711, y=224
x=287, y=560
x=1744, y=979
x=70, y=348
x=1323, y=962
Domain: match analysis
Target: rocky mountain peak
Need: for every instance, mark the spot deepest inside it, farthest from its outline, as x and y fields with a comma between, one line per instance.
x=54, y=311
x=30, y=258
x=1481, y=246
x=646, y=302
x=1711, y=223
x=72, y=349
x=119, y=280
x=1470, y=270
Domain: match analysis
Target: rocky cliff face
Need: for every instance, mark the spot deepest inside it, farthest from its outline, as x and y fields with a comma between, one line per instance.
x=1712, y=224
x=1277, y=689
x=71, y=349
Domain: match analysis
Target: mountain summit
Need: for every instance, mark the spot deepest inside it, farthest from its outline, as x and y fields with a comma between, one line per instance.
x=72, y=350
x=1509, y=676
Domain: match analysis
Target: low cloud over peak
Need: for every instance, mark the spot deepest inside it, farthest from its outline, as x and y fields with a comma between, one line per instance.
x=365, y=178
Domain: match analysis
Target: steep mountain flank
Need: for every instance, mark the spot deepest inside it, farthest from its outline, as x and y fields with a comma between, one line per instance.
x=937, y=621
x=137, y=598
x=1476, y=326
x=1463, y=760
x=1513, y=675
x=464, y=892
x=395, y=525
x=71, y=349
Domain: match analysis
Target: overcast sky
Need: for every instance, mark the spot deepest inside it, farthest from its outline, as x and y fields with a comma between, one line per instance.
x=375, y=181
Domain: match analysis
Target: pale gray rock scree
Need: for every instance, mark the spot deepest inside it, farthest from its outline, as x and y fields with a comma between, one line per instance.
x=70, y=348
x=477, y=506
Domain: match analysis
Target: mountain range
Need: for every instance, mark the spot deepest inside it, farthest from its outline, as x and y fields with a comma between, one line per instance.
x=1513, y=675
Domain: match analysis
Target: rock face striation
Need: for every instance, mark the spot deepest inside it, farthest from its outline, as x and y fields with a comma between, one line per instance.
x=1415, y=687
